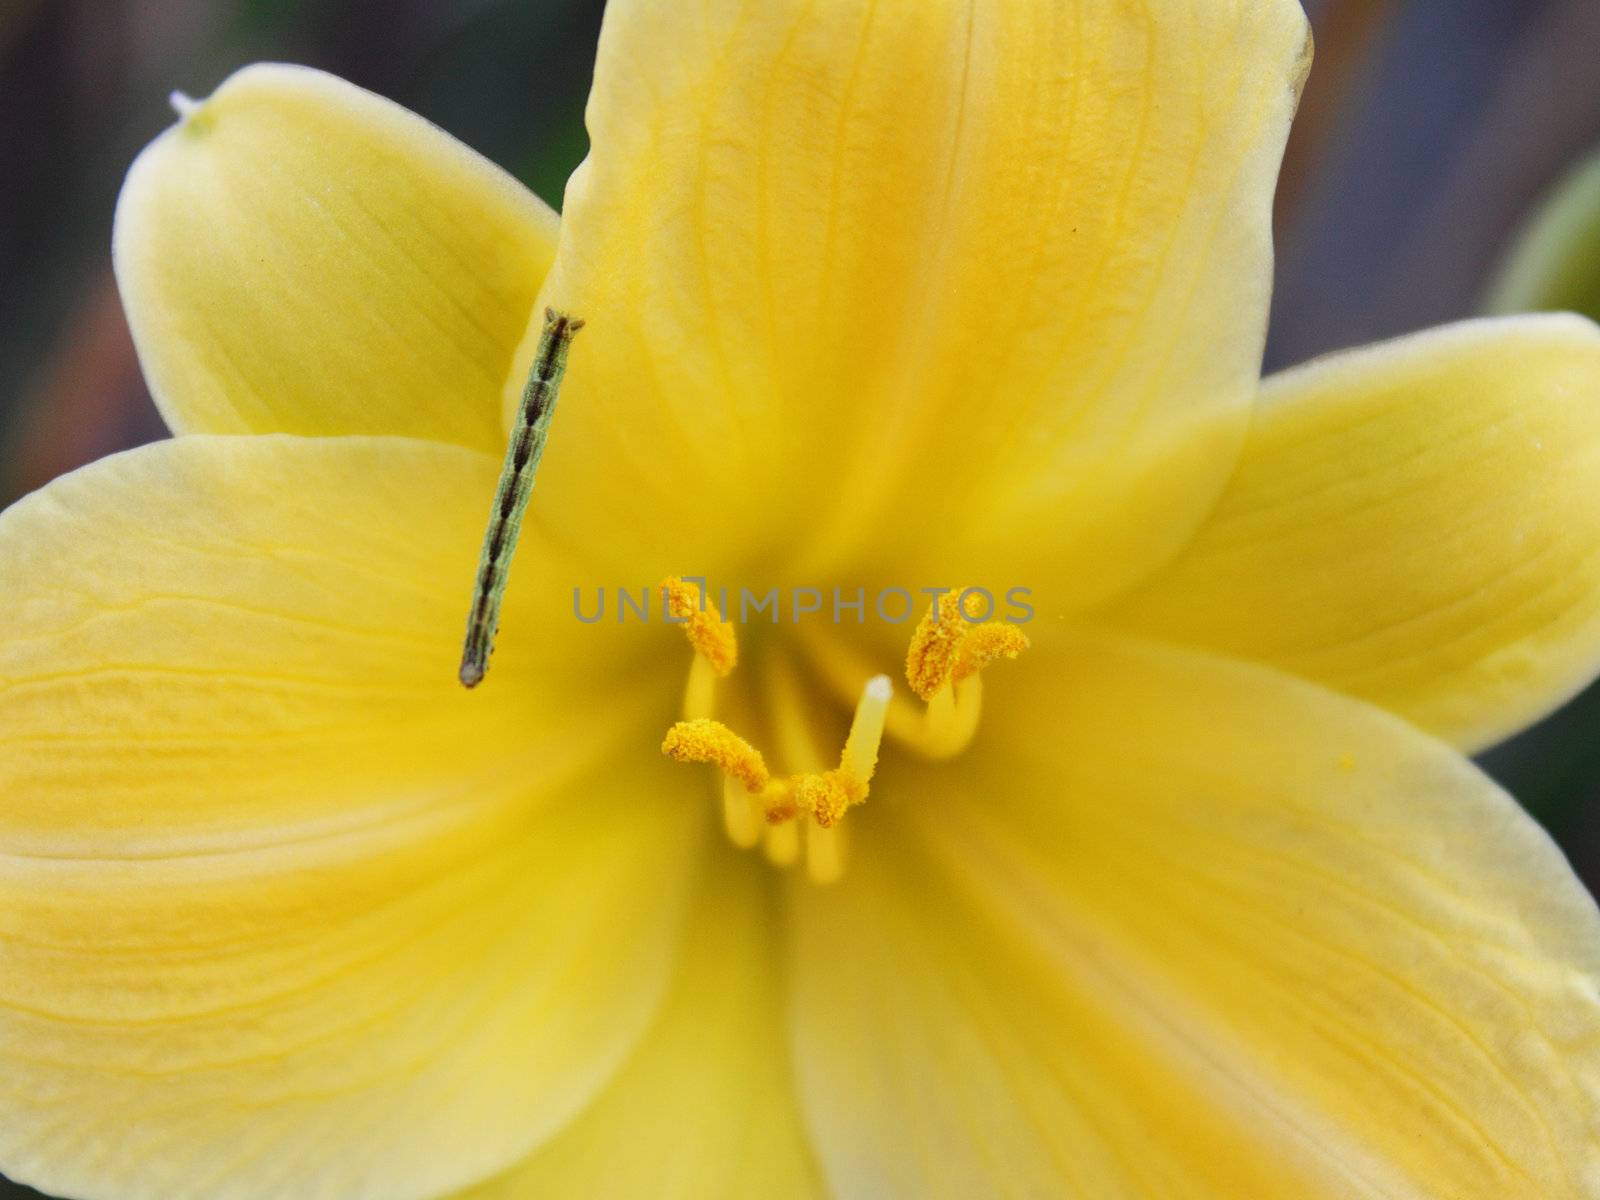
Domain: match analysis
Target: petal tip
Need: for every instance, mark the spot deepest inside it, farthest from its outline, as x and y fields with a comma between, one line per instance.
x=193, y=117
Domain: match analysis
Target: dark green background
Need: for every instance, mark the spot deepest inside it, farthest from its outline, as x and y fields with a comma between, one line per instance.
x=1429, y=130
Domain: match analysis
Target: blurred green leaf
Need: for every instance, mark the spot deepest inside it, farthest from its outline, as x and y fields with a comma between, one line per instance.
x=1554, y=262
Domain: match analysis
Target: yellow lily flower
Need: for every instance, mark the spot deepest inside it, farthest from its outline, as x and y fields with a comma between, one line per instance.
x=1208, y=902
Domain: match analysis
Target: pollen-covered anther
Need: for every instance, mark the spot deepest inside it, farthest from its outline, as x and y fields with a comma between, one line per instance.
x=781, y=801
x=712, y=637
x=985, y=643
x=706, y=741
x=935, y=646
x=829, y=795
x=949, y=648
x=824, y=796
x=944, y=666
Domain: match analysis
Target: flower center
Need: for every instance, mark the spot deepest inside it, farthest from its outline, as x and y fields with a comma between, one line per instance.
x=948, y=652
x=947, y=655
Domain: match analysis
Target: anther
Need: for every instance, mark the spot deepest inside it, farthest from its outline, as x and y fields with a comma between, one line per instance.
x=828, y=795
x=703, y=741
x=823, y=795
x=982, y=645
x=935, y=645
x=944, y=666
x=712, y=637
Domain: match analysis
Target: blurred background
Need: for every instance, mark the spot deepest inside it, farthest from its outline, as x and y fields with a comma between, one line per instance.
x=1430, y=132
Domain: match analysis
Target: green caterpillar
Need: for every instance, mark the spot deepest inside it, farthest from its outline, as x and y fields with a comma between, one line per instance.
x=514, y=490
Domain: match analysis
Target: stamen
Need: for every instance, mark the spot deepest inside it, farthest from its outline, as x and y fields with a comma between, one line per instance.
x=712, y=637
x=513, y=492
x=982, y=645
x=741, y=815
x=704, y=741
x=778, y=803
x=798, y=744
x=793, y=716
x=825, y=853
x=951, y=720
x=943, y=666
x=783, y=844
x=699, y=690
x=829, y=795
x=935, y=645
x=825, y=795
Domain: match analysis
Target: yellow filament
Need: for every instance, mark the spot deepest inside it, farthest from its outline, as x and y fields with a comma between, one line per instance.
x=944, y=666
x=713, y=638
x=951, y=720
x=741, y=814
x=828, y=795
x=782, y=844
x=944, y=663
x=825, y=853
x=749, y=791
x=946, y=725
x=842, y=669
x=826, y=847
x=700, y=690
x=793, y=717
x=756, y=809
x=797, y=745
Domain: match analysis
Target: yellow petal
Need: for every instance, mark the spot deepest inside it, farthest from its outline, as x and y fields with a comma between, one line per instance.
x=958, y=266
x=1186, y=927
x=284, y=910
x=705, y=1109
x=298, y=255
x=1417, y=524
x=208, y=601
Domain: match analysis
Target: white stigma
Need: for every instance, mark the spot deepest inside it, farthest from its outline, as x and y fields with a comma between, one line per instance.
x=860, y=756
